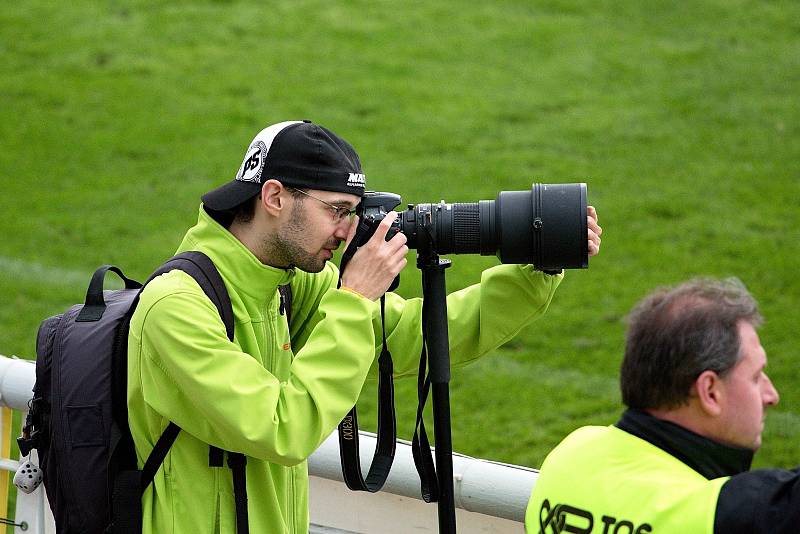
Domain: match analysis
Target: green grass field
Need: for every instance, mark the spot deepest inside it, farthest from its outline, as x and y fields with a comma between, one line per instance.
x=682, y=118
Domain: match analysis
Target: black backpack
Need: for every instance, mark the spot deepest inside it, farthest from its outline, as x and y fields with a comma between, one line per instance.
x=78, y=418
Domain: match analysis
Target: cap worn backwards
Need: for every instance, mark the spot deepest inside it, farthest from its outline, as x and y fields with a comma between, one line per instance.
x=298, y=154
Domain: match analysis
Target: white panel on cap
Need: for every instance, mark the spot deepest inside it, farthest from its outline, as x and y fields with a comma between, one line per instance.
x=256, y=155
x=268, y=134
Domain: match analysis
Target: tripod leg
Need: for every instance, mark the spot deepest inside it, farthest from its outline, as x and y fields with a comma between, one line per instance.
x=444, y=457
x=435, y=295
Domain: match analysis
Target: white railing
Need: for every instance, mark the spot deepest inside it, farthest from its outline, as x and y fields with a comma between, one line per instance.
x=490, y=497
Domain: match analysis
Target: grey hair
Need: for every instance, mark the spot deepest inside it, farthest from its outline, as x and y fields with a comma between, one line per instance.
x=676, y=333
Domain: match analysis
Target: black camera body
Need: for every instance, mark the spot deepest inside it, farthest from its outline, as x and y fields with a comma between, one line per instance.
x=545, y=226
x=374, y=206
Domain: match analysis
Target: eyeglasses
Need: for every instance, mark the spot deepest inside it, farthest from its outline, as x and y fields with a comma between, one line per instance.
x=340, y=213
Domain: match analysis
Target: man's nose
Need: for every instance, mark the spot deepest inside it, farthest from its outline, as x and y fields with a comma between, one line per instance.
x=771, y=396
x=342, y=229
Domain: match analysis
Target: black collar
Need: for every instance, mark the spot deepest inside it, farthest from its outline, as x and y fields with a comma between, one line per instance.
x=706, y=456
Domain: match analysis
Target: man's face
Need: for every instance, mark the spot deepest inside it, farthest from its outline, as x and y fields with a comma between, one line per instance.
x=747, y=392
x=314, y=228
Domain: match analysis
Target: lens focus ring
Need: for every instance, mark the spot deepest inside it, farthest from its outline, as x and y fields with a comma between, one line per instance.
x=466, y=228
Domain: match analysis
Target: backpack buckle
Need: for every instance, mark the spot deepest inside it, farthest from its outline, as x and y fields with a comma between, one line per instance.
x=27, y=442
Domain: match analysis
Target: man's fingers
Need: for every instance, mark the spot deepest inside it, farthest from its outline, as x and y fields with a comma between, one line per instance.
x=593, y=243
x=401, y=265
x=401, y=253
x=399, y=240
x=591, y=219
x=385, y=224
x=591, y=212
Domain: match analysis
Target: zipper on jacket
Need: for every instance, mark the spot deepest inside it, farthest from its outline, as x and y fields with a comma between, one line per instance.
x=291, y=519
x=217, y=507
x=267, y=332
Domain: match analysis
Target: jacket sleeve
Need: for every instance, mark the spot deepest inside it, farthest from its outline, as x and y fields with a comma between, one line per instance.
x=480, y=317
x=198, y=379
x=760, y=501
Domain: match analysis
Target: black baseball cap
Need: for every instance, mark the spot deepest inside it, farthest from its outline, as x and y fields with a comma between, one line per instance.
x=298, y=154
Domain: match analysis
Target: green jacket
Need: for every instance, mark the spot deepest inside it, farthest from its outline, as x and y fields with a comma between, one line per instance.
x=273, y=400
x=603, y=480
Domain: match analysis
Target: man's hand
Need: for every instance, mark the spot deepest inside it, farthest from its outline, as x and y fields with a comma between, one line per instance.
x=594, y=231
x=373, y=267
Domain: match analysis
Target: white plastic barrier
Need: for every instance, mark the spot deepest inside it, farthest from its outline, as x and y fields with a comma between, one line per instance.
x=490, y=497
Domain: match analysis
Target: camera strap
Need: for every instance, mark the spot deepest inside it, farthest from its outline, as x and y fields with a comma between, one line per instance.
x=420, y=446
x=387, y=426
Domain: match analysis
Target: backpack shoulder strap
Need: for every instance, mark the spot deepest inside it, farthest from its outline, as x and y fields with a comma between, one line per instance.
x=128, y=483
x=202, y=269
x=199, y=267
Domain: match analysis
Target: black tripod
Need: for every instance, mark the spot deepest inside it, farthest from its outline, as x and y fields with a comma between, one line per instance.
x=434, y=293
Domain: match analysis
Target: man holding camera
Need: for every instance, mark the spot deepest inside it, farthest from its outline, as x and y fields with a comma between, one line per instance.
x=694, y=381
x=280, y=388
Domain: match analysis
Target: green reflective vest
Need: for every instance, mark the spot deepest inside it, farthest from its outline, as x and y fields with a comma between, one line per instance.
x=605, y=480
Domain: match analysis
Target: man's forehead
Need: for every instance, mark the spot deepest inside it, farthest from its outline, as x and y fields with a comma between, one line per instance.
x=753, y=354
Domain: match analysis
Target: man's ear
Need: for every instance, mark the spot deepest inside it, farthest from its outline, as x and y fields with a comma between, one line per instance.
x=272, y=198
x=708, y=388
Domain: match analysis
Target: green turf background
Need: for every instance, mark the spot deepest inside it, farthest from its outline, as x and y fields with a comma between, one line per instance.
x=682, y=118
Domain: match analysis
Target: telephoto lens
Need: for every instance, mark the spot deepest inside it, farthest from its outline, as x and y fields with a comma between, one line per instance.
x=545, y=226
